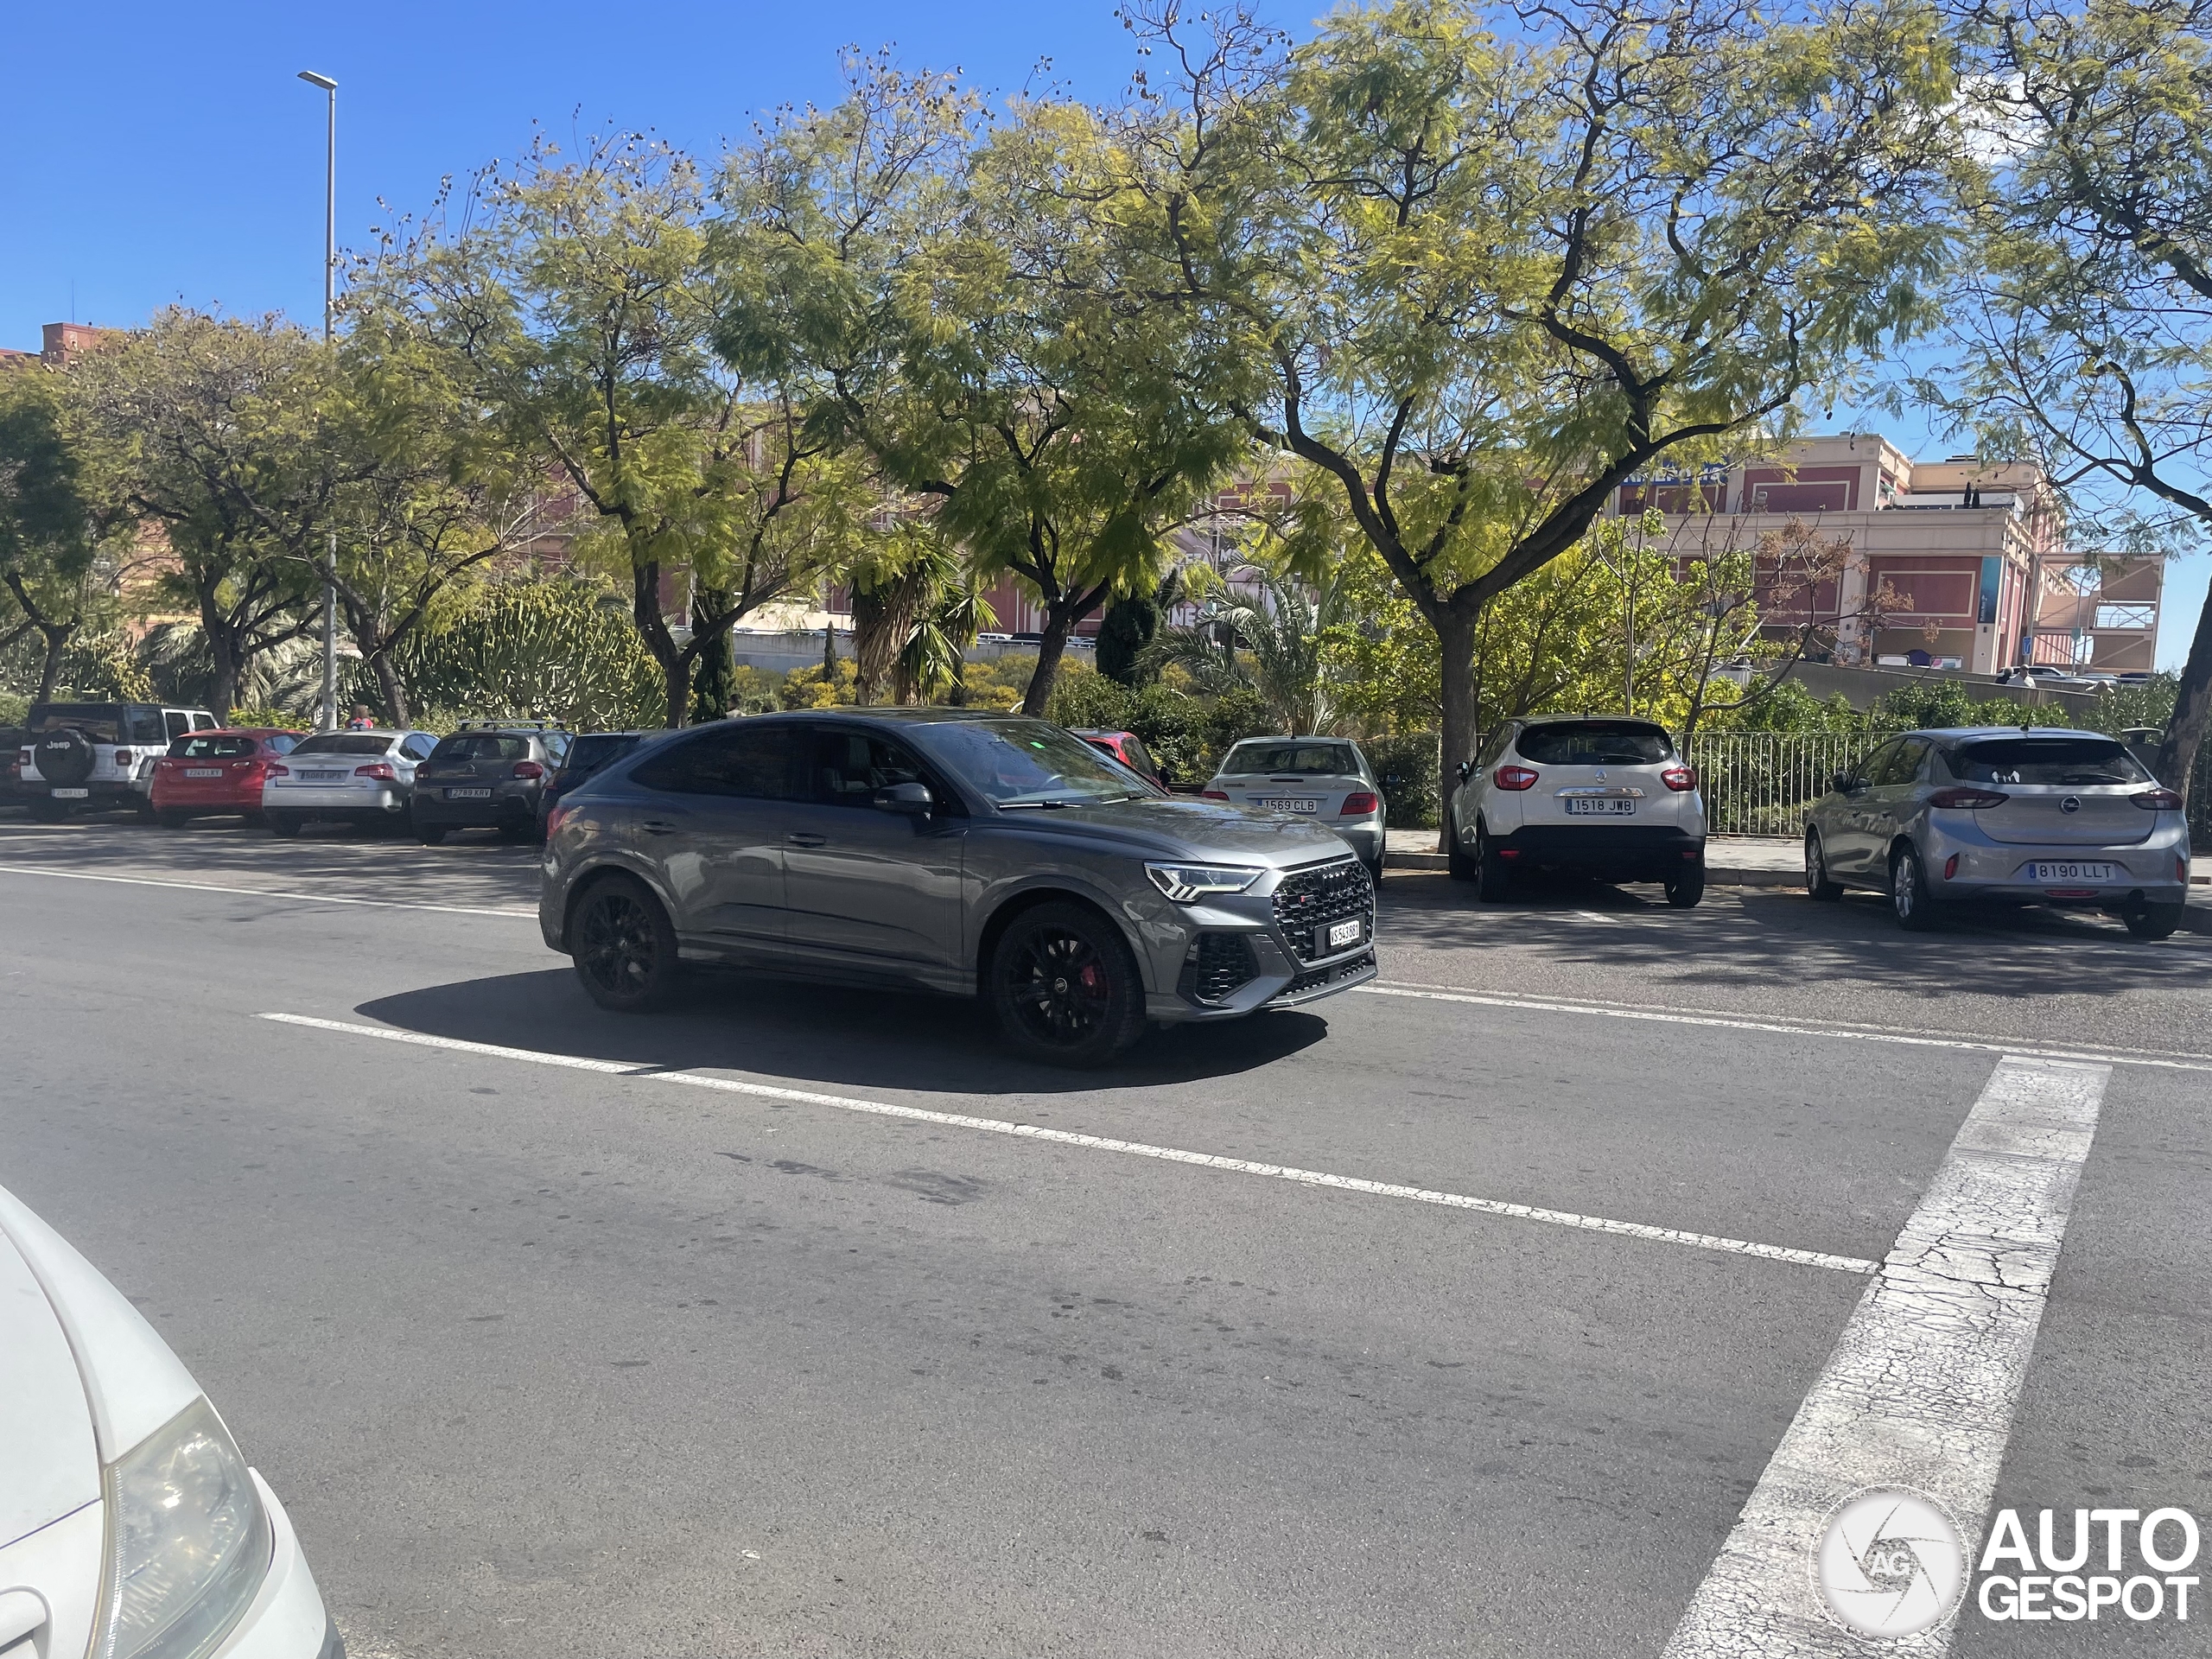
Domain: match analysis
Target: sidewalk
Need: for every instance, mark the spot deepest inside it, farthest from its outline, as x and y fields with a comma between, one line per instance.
x=1764, y=861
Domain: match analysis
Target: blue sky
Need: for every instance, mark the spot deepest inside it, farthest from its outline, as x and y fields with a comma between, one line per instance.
x=156, y=152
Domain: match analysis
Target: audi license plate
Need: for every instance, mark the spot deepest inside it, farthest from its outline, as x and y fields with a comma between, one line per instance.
x=2044, y=873
x=72, y=794
x=1610, y=806
x=203, y=772
x=1343, y=935
x=323, y=777
x=468, y=794
x=1283, y=804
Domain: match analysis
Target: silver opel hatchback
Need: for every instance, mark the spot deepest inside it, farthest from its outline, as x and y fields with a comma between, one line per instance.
x=2007, y=813
x=947, y=850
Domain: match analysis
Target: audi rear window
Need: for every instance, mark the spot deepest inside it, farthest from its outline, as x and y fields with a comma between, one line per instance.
x=2079, y=761
x=1595, y=743
x=345, y=743
x=204, y=748
x=1299, y=759
x=481, y=745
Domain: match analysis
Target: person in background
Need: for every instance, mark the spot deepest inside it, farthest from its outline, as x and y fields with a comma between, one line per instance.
x=362, y=720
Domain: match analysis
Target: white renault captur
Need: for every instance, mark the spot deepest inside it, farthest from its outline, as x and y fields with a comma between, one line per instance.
x=129, y=1526
x=1603, y=794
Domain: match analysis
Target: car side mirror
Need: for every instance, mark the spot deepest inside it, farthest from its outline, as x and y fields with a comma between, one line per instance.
x=1467, y=769
x=1843, y=782
x=912, y=799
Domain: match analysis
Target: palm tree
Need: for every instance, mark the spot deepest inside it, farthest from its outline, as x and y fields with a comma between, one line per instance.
x=1272, y=648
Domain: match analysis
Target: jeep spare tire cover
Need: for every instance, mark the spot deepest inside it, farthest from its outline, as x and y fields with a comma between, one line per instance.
x=64, y=757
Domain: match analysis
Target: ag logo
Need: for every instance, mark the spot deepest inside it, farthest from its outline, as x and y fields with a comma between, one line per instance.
x=1891, y=1562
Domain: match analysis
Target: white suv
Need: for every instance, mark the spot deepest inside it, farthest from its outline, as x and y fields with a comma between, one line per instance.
x=1606, y=794
x=95, y=756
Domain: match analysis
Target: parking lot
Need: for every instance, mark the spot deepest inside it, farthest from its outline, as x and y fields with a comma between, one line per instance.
x=1461, y=1314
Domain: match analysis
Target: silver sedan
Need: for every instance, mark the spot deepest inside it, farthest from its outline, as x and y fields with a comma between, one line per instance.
x=366, y=778
x=2007, y=813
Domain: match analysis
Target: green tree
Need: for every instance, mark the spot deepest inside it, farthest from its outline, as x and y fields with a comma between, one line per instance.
x=954, y=303
x=2086, y=320
x=217, y=434
x=49, y=532
x=1496, y=269
x=575, y=302
x=1129, y=624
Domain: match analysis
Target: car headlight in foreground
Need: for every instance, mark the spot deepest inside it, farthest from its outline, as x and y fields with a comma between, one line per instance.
x=1188, y=883
x=187, y=1541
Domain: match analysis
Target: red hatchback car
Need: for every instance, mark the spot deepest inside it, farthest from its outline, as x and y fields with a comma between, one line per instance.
x=208, y=772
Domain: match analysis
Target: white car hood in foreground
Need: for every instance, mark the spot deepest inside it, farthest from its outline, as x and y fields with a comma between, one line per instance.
x=83, y=1377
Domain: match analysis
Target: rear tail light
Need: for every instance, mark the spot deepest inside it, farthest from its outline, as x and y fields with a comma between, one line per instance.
x=1679, y=779
x=1514, y=778
x=376, y=769
x=1358, y=805
x=1967, y=797
x=2157, y=800
x=555, y=818
x=1211, y=795
x=278, y=769
x=529, y=769
x=1950, y=867
x=123, y=756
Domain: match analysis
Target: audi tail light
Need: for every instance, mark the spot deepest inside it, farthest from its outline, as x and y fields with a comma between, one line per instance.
x=529, y=769
x=1680, y=780
x=2157, y=800
x=555, y=818
x=1967, y=797
x=377, y=769
x=1358, y=805
x=1514, y=778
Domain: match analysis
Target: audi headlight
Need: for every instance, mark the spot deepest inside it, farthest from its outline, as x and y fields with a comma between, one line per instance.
x=1188, y=883
x=187, y=1541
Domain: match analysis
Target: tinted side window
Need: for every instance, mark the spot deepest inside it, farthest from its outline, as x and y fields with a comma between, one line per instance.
x=850, y=766
x=753, y=762
x=282, y=743
x=1487, y=755
x=418, y=746
x=1139, y=756
x=1900, y=762
x=1873, y=768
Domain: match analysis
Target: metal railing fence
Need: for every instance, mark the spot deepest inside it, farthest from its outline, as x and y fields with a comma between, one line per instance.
x=1764, y=783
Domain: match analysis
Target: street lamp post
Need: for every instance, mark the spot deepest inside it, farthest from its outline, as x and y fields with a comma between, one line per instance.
x=328, y=720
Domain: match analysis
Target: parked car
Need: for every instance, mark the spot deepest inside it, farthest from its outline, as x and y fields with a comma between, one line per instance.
x=365, y=779
x=488, y=775
x=213, y=772
x=952, y=850
x=89, y=756
x=1325, y=779
x=13, y=741
x=589, y=755
x=129, y=1524
x=2046, y=816
x=1128, y=748
x=1604, y=796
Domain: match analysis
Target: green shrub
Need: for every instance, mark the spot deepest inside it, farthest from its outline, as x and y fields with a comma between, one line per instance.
x=545, y=651
x=1413, y=800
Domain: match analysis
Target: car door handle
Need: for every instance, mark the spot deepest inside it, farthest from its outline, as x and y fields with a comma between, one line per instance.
x=808, y=839
x=657, y=827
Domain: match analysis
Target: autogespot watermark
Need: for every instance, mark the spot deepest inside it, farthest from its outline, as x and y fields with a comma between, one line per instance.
x=1892, y=1562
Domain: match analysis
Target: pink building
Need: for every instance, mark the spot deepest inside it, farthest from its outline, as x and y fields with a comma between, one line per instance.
x=1955, y=563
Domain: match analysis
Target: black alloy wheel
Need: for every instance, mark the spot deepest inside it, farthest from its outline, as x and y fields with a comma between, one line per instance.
x=1817, y=882
x=1909, y=894
x=429, y=834
x=623, y=946
x=1066, y=988
x=2149, y=921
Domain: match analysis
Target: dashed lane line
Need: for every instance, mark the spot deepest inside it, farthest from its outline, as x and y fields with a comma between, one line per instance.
x=1974, y=1045
x=1100, y=1143
x=265, y=892
x=1920, y=1391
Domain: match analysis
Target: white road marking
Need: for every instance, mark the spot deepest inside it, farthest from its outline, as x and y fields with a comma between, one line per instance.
x=1921, y=1389
x=1099, y=1143
x=1976, y=1044
x=265, y=893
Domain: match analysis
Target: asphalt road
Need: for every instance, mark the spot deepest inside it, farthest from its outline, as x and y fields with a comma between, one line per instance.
x=622, y=1359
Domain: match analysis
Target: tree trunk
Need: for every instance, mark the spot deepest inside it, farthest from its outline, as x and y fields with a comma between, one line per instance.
x=652, y=628
x=57, y=641
x=2177, y=753
x=393, y=688
x=1455, y=639
x=1050, y=650
x=713, y=674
